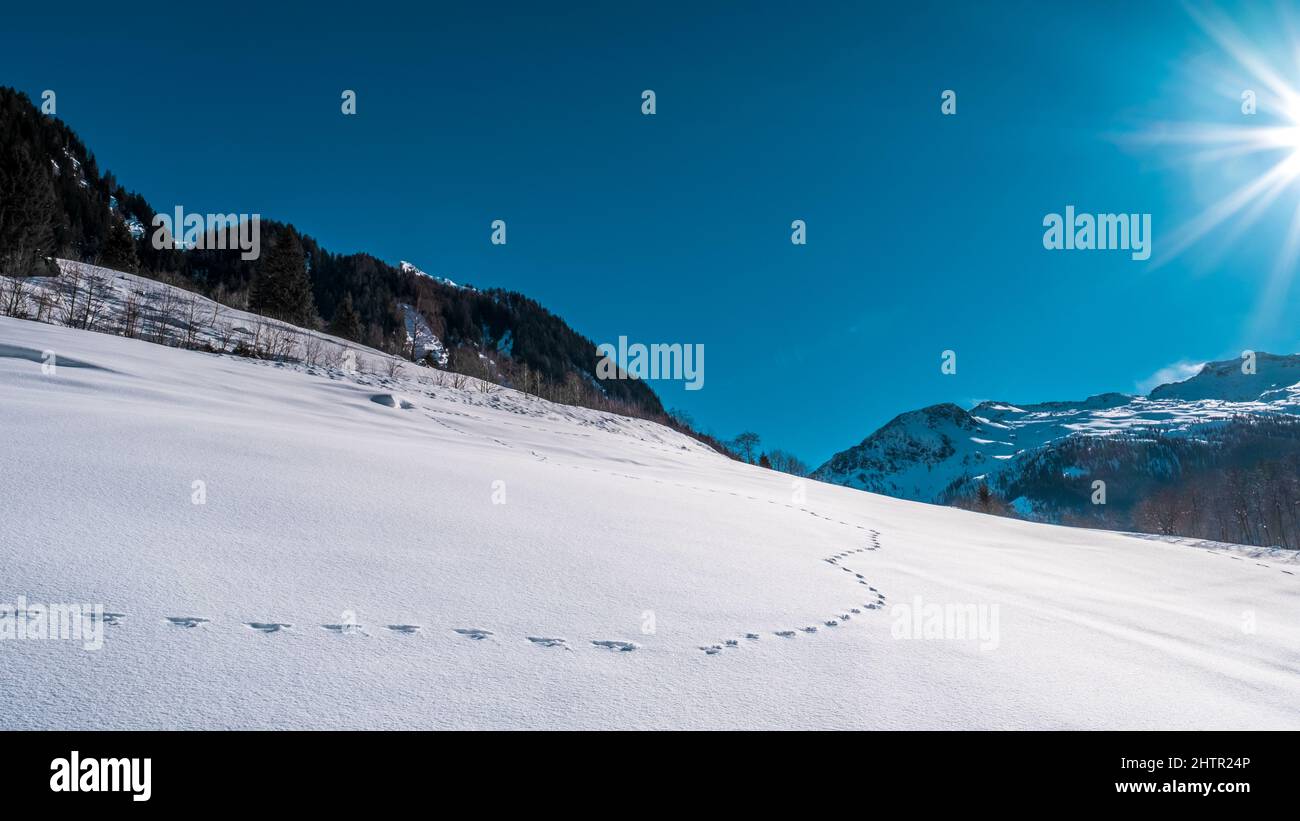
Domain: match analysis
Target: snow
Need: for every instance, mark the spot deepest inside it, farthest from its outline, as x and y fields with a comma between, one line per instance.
x=353, y=567
x=426, y=341
x=409, y=268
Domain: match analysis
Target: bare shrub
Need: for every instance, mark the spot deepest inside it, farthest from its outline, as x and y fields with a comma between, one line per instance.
x=313, y=350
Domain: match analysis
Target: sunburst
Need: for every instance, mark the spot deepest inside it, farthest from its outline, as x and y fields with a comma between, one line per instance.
x=1267, y=128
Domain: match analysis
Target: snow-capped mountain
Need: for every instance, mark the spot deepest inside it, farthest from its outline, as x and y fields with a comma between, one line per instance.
x=409, y=268
x=1044, y=457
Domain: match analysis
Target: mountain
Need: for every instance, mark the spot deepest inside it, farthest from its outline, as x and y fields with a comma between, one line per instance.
x=293, y=545
x=1220, y=427
x=410, y=268
x=72, y=209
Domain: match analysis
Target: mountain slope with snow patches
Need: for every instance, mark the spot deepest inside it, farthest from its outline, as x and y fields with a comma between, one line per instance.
x=943, y=451
x=377, y=552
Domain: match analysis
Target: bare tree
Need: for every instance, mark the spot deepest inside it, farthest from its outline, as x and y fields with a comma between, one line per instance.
x=313, y=350
x=166, y=308
x=94, y=300
x=193, y=309
x=13, y=296
x=745, y=444
x=70, y=286
x=46, y=300
x=131, y=313
x=787, y=462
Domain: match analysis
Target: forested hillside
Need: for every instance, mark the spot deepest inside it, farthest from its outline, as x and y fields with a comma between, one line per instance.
x=56, y=202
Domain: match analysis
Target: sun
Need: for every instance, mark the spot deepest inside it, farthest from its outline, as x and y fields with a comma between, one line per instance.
x=1264, y=126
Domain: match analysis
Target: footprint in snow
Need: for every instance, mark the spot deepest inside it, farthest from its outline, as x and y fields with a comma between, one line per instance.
x=786, y=634
x=107, y=617
x=831, y=623
x=711, y=649
x=268, y=626
x=473, y=633
x=621, y=646
x=404, y=628
x=186, y=621
x=349, y=629
x=809, y=629
x=543, y=641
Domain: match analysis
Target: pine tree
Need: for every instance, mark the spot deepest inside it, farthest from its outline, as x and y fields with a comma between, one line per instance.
x=281, y=288
x=29, y=211
x=347, y=322
x=119, y=249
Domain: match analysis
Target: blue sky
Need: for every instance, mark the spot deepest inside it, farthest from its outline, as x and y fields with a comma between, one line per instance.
x=924, y=231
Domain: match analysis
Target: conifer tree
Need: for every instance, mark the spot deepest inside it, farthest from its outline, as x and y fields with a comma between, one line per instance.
x=347, y=322
x=281, y=288
x=119, y=249
x=28, y=211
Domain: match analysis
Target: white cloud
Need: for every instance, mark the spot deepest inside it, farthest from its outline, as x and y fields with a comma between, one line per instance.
x=1176, y=372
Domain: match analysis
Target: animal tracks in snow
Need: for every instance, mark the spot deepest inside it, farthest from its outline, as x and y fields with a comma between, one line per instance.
x=267, y=626
x=186, y=621
x=621, y=646
x=543, y=641
x=477, y=634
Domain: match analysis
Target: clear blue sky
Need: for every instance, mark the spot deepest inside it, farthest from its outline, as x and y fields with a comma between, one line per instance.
x=924, y=231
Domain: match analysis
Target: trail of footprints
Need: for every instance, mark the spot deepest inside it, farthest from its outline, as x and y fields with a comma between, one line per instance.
x=876, y=601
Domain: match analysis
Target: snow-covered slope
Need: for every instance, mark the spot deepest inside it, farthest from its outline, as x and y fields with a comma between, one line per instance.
x=422, y=337
x=96, y=298
x=449, y=558
x=928, y=453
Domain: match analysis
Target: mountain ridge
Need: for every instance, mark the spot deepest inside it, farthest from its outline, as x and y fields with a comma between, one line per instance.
x=1042, y=460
